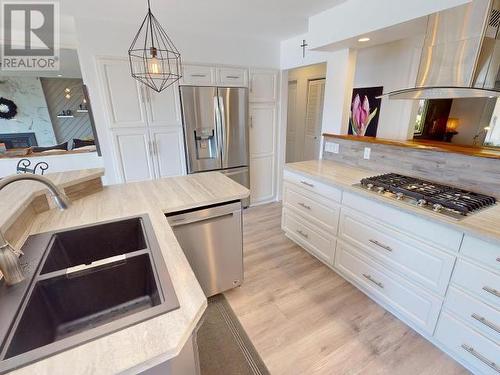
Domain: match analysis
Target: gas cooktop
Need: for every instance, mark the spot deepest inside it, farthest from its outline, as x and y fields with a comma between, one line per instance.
x=447, y=200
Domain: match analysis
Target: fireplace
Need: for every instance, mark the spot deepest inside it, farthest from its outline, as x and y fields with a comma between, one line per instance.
x=18, y=140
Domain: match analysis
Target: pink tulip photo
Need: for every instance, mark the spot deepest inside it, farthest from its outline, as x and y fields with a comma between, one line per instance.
x=360, y=115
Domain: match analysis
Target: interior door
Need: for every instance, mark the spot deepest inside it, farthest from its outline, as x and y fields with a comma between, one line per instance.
x=233, y=106
x=201, y=133
x=314, y=118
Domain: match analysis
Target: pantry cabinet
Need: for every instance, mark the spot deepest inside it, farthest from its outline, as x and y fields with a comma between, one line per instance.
x=145, y=126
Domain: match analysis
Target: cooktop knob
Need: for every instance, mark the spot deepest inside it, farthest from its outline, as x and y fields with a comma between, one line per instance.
x=369, y=186
x=380, y=190
x=399, y=196
x=437, y=207
x=421, y=202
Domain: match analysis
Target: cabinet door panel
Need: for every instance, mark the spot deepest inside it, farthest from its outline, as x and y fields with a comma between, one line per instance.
x=261, y=179
x=164, y=107
x=262, y=129
x=124, y=96
x=263, y=86
x=168, y=152
x=133, y=154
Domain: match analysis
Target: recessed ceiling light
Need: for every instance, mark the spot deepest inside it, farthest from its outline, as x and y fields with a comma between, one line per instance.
x=59, y=75
x=363, y=39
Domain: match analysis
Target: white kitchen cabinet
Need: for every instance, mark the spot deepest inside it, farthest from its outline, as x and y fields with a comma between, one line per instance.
x=198, y=75
x=145, y=125
x=262, y=135
x=123, y=95
x=168, y=151
x=228, y=76
x=263, y=85
x=261, y=179
x=133, y=153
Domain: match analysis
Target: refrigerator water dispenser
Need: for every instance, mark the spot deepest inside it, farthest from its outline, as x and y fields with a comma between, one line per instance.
x=205, y=143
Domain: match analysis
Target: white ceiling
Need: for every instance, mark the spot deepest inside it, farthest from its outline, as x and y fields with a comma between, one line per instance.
x=273, y=19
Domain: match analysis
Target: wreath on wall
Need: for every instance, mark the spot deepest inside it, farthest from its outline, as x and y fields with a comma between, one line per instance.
x=8, y=109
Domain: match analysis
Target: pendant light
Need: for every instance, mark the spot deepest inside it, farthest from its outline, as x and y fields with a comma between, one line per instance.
x=154, y=60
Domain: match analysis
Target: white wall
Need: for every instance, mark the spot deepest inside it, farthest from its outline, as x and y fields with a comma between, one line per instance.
x=112, y=39
x=301, y=76
x=292, y=54
x=474, y=115
x=32, y=112
x=358, y=17
x=393, y=66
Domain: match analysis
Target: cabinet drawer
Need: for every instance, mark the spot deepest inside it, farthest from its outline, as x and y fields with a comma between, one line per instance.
x=468, y=344
x=481, y=283
x=423, y=229
x=232, y=77
x=479, y=315
x=414, y=303
x=481, y=251
x=312, y=205
x=418, y=262
x=198, y=75
x=312, y=238
x=314, y=186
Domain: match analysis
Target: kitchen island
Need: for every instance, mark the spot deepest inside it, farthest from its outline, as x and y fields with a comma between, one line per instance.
x=152, y=342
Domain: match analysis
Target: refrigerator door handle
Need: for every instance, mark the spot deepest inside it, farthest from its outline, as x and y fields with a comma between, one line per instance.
x=218, y=126
x=223, y=129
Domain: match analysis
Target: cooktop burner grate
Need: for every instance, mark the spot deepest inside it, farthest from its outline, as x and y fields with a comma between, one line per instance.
x=428, y=193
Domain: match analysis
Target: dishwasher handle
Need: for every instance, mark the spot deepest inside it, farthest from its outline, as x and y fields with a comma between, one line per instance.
x=205, y=214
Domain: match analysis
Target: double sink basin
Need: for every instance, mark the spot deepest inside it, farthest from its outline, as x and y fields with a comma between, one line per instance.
x=81, y=284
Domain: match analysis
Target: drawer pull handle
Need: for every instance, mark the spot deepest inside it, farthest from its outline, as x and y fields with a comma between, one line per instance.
x=307, y=183
x=377, y=283
x=481, y=357
x=233, y=77
x=198, y=75
x=385, y=247
x=493, y=291
x=486, y=322
x=302, y=233
x=304, y=205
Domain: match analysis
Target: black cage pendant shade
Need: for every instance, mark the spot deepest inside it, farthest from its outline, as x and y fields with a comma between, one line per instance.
x=154, y=60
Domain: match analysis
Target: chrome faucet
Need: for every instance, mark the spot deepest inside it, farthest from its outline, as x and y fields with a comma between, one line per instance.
x=9, y=256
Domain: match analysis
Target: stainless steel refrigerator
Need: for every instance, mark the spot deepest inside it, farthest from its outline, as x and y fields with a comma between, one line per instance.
x=215, y=121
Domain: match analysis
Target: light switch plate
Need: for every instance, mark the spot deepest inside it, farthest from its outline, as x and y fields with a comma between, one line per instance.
x=367, y=153
x=332, y=147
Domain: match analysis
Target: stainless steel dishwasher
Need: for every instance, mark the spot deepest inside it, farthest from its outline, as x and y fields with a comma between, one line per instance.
x=212, y=239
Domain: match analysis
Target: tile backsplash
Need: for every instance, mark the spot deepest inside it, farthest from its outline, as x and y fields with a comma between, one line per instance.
x=473, y=173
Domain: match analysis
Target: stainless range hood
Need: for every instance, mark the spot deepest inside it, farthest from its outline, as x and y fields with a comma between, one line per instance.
x=461, y=54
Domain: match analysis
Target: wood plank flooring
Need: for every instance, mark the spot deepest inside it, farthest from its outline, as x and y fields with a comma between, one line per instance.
x=305, y=319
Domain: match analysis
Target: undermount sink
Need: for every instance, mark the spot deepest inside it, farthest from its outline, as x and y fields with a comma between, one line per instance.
x=85, y=283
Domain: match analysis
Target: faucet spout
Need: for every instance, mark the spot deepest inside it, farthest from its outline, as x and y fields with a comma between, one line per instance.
x=10, y=266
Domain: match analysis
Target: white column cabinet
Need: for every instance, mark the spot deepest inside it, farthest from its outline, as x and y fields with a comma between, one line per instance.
x=133, y=154
x=263, y=135
x=145, y=125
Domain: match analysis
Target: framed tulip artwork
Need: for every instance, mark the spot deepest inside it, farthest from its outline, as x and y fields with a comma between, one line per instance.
x=365, y=110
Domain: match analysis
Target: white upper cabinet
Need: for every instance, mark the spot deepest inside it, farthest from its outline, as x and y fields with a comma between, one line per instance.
x=198, y=75
x=232, y=77
x=123, y=95
x=263, y=85
x=163, y=108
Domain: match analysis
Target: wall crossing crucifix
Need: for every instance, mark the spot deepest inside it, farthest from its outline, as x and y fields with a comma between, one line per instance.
x=304, y=45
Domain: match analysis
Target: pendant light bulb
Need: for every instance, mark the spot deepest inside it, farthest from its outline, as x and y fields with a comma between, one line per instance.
x=154, y=63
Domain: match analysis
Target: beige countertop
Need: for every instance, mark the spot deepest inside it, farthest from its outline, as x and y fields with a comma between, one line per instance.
x=156, y=340
x=484, y=224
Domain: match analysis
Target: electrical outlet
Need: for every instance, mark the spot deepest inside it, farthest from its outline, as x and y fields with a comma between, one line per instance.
x=367, y=153
x=332, y=147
